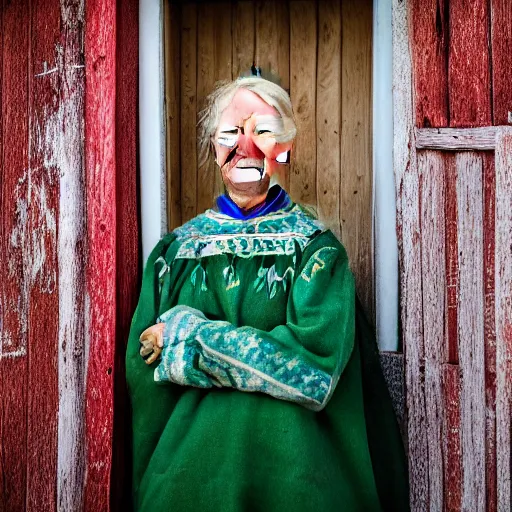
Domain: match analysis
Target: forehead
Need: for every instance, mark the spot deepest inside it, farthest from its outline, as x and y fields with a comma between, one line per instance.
x=244, y=104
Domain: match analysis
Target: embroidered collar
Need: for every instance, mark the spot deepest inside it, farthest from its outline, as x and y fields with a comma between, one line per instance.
x=276, y=200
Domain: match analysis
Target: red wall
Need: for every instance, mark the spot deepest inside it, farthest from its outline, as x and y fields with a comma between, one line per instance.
x=69, y=247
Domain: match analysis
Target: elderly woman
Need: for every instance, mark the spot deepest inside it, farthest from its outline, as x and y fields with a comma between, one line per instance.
x=243, y=363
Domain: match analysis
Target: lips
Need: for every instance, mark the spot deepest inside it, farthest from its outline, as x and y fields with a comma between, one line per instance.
x=246, y=170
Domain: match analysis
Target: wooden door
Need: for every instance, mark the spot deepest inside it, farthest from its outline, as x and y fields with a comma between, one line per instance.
x=321, y=51
x=453, y=167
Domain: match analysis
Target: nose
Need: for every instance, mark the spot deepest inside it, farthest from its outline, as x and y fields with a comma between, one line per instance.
x=247, y=146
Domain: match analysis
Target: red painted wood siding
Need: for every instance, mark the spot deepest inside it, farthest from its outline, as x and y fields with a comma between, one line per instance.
x=69, y=247
x=462, y=56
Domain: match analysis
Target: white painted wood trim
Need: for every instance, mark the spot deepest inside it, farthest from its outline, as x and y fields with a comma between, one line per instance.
x=151, y=122
x=408, y=215
x=503, y=304
x=385, y=248
x=456, y=139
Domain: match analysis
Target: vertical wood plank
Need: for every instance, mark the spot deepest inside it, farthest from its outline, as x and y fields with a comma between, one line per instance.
x=408, y=231
x=2, y=249
x=243, y=40
x=452, y=260
x=468, y=74
x=430, y=61
x=431, y=170
x=188, y=111
x=43, y=321
x=328, y=115
x=128, y=271
x=223, y=68
x=356, y=145
x=471, y=328
x=452, y=444
x=283, y=43
x=489, y=178
x=206, y=76
x=67, y=132
x=303, y=53
x=172, y=111
x=501, y=33
x=503, y=284
x=16, y=265
x=100, y=44
x=266, y=36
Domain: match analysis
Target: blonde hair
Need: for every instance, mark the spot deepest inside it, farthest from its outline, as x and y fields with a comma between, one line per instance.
x=221, y=97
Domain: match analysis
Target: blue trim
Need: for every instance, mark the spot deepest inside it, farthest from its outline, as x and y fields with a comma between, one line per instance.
x=276, y=200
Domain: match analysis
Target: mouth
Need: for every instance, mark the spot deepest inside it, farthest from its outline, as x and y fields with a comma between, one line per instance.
x=247, y=174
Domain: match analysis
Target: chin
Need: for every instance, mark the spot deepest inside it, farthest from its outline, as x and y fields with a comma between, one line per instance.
x=248, y=194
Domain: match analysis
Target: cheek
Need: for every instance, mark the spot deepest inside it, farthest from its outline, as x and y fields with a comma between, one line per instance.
x=270, y=148
x=221, y=153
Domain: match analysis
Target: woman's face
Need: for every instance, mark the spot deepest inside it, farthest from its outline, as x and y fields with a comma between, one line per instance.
x=246, y=147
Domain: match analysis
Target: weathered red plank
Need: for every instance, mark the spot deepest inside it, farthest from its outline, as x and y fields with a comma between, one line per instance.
x=16, y=265
x=2, y=250
x=490, y=330
x=430, y=58
x=452, y=260
x=452, y=445
x=431, y=170
x=68, y=128
x=468, y=71
x=43, y=395
x=503, y=316
x=408, y=229
x=127, y=272
x=471, y=327
x=100, y=160
x=501, y=32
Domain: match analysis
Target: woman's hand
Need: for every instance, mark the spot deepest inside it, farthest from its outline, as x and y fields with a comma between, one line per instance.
x=152, y=342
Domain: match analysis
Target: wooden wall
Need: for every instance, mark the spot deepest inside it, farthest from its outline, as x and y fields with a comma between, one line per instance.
x=321, y=51
x=70, y=266
x=454, y=222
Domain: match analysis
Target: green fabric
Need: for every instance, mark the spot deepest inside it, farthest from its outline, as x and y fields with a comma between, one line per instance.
x=240, y=329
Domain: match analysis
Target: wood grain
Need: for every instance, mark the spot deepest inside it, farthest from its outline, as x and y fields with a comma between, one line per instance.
x=3, y=295
x=452, y=260
x=266, y=36
x=188, y=105
x=409, y=239
x=471, y=327
x=100, y=138
x=431, y=171
x=128, y=271
x=452, y=443
x=468, y=72
x=501, y=44
x=43, y=318
x=456, y=139
x=16, y=268
x=244, y=37
x=328, y=118
x=223, y=66
x=283, y=43
x=430, y=60
x=303, y=53
x=503, y=313
x=356, y=146
x=67, y=133
x=489, y=184
x=206, y=77
x=172, y=112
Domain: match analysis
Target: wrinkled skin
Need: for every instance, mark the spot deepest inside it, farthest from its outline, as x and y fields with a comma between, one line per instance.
x=245, y=150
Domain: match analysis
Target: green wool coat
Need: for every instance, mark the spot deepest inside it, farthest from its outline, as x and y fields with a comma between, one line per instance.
x=266, y=397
